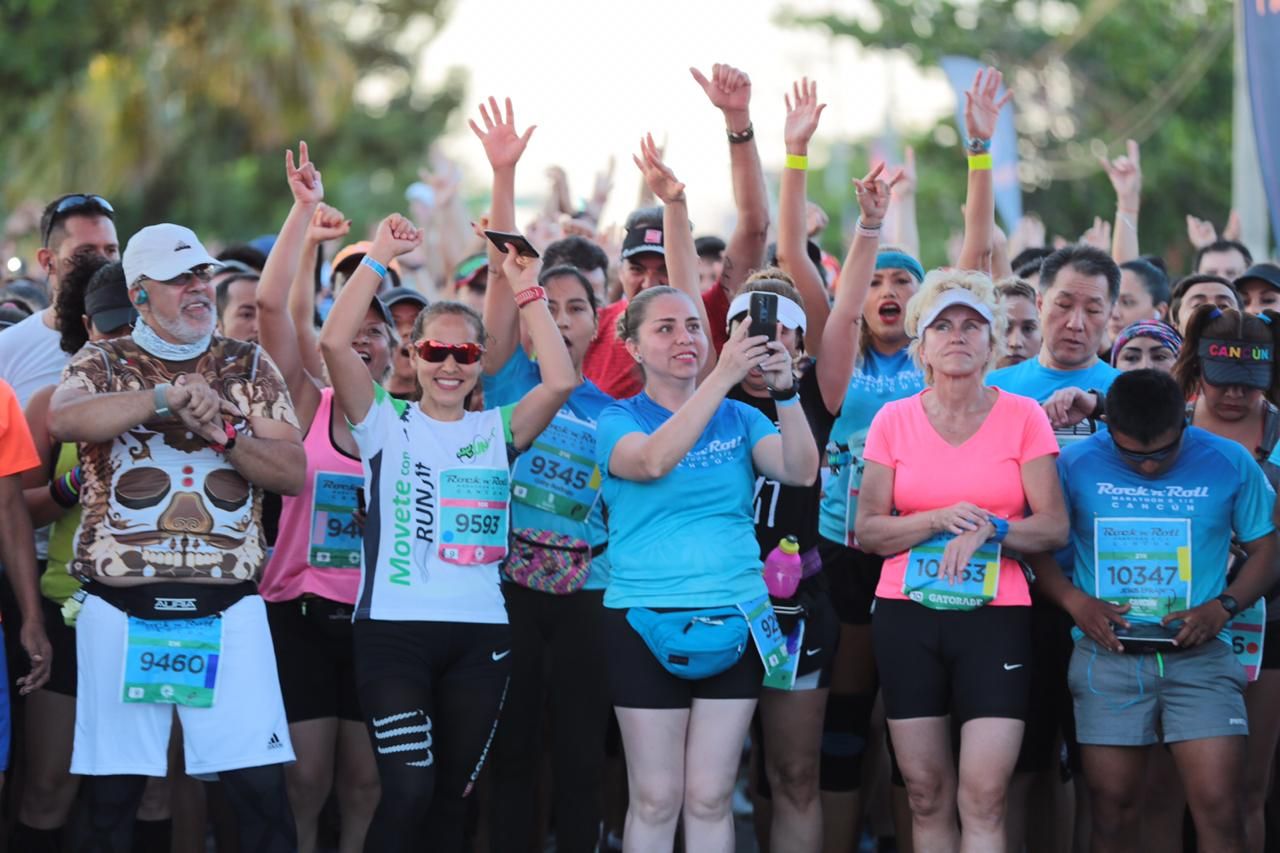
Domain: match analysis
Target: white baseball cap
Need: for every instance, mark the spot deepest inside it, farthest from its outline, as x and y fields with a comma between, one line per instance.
x=954, y=296
x=165, y=251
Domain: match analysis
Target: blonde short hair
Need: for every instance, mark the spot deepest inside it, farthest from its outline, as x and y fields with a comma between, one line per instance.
x=935, y=283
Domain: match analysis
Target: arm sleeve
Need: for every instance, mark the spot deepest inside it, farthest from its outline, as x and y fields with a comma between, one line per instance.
x=1251, y=514
x=17, y=450
x=1037, y=433
x=879, y=446
x=614, y=422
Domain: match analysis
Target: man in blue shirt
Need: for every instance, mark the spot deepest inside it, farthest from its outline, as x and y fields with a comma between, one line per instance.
x=1154, y=504
x=1079, y=284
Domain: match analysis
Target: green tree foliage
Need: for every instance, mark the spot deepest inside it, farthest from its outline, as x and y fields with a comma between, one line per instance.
x=180, y=110
x=1087, y=74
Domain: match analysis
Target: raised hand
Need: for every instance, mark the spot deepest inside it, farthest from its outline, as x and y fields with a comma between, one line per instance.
x=396, y=235
x=778, y=367
x=742, y=352
x=503, y=144
x=1099, y=235
x=660, y=179
x=327, y=223
x=1231, y=231
x=803, y=112
x=1125, y=173
x=1200, y=232
x=981, y=104
x=520, y=272
x=873, y=195
x=304, y=180
x=729, y=89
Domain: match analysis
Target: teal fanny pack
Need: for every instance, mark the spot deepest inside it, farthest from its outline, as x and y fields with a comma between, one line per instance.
x=693, y=644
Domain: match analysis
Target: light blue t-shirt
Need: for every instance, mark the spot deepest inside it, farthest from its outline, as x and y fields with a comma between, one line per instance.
x=558, y=470
x=686, y=539
x=877, y=379
x=1135, y=525
x=1032, y=379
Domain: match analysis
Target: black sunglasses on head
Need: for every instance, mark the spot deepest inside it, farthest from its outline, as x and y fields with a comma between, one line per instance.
x=75, y=204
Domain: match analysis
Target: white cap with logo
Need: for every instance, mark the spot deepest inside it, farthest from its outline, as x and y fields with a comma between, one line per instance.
x=161, y=252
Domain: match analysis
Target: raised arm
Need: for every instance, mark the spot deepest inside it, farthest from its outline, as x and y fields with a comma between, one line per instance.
x=981, y=111
x=681, y=254
x=729, y=90
x=275, y=327
x=1125, y=173
x=352, y=387
x=503, y=146
x=791, y=458
x=536, y=409
x=327, y=224
x=844, y=325
x=643, y=457
x=802, y=120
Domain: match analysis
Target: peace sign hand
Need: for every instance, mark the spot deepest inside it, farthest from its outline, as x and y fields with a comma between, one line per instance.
x=658, y=176
x=874, y=194
x=304, y=180
x=503, y=144
x=981, y=106
x=803, y=112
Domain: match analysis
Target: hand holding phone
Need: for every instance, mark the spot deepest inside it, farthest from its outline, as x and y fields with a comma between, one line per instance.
x=503, y=239
x=763, y=312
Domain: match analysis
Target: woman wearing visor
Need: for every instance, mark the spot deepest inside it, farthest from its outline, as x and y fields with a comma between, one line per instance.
x=1227, y=371
x=950, y=475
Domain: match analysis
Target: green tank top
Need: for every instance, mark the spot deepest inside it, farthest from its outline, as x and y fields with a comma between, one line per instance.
x=56, y=584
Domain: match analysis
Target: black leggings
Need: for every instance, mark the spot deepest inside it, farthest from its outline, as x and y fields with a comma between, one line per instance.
x=257, y=795
x=558, y=664
x=431, y=693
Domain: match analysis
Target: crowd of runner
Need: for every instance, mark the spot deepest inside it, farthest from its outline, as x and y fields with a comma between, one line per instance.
x=483, y=538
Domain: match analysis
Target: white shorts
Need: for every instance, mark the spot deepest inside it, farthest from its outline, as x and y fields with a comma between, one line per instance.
x=246, y=727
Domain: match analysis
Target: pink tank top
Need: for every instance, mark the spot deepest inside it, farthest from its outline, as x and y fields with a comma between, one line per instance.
x=318, y=547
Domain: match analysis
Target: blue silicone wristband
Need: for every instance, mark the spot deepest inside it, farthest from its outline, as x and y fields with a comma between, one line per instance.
x=374, y=265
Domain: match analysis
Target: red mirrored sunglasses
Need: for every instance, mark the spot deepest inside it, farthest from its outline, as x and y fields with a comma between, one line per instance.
x=436, y=352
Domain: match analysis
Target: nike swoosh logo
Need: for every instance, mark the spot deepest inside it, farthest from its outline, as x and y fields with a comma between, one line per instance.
x=497, y=657
x=811, y=652
x=1009, y=667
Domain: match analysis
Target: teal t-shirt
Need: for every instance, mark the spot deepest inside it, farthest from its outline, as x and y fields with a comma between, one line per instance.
x=1032, y=379
x=878, y=379
x=555, y=483
x=686, y=539
x=1161, y=543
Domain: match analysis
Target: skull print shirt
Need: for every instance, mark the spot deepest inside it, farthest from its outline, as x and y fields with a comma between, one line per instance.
x=158, y=501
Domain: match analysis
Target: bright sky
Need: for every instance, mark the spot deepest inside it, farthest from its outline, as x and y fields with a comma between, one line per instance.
x=596, y=75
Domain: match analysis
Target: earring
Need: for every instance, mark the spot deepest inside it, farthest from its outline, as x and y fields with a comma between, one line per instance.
x=142, y=297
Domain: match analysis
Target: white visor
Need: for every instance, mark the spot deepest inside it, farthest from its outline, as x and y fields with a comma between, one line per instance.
x=790, y=314
x=954, y=296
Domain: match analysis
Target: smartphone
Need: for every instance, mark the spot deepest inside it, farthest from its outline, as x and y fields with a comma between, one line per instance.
x=1146, y=638
x=764, y=315
x=502, y=239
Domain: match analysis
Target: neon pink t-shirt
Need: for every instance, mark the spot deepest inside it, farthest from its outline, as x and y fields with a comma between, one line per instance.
x=929, y=473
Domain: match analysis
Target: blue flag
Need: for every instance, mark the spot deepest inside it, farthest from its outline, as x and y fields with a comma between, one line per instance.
x=1261, y=46
x=960, y=71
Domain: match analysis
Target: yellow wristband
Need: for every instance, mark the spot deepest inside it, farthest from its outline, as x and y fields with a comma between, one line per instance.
x=797, y=161
x=979, y=162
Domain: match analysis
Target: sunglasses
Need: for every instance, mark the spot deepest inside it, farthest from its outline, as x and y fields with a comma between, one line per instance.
x=75, y=204
x=202, y=274
x=1158, y=455
x=436, y=352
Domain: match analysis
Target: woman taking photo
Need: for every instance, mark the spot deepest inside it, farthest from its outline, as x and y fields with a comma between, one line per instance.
x=680, y=465
x=1227, y=372
x=950, y=474
x=431, y=636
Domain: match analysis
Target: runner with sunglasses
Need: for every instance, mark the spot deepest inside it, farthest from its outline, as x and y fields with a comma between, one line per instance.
x=1153, y=505
x=311, y=580
x=556, y=569
x=432, y=642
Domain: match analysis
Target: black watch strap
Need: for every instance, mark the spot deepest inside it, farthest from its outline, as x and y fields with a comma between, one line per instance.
x=784, y=395
x=1229, y=604
x=1099, y=411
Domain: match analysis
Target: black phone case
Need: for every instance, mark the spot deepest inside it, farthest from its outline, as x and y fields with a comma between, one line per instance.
x=764, y=315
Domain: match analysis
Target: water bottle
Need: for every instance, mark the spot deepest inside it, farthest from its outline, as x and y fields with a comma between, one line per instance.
x=783, y=568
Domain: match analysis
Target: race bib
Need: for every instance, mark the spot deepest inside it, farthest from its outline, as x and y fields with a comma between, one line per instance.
x=473, y=515
x=1248, y=630
x=558, y=473
x=336, y=538
x=977, y=584
x=771, y=643
x=172, y=661
x=1145, y=563
x=857, y=466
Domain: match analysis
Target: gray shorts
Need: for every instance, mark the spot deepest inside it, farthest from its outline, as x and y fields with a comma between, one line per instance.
x=1131, y=700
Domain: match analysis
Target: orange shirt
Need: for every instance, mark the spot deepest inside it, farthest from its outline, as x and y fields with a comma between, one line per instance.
x=17, y=450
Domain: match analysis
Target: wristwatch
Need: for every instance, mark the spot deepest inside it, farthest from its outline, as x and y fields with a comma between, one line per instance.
x=1001, y=526
x=233, y=431
x=1229, y=604
x=1099, y=411
x=978, y=146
